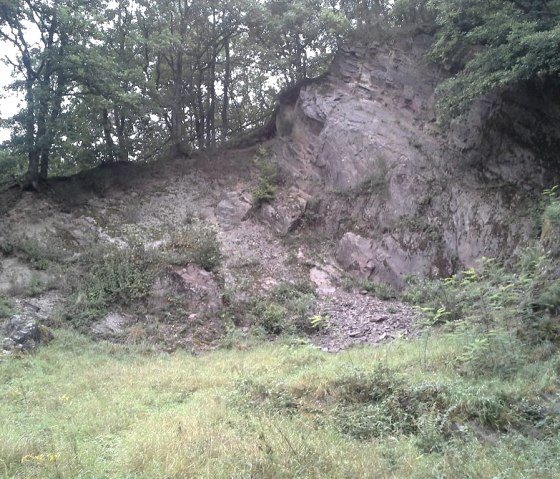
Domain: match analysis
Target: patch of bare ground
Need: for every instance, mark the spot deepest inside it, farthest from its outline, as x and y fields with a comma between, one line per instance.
x=353, y=318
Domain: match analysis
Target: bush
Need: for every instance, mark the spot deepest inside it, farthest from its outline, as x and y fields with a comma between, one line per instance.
x=286, y=309
x=107, y=275
x=196, y=243
x=269, y=177
x=6, y=307
x=273, y=318
x=496, y=305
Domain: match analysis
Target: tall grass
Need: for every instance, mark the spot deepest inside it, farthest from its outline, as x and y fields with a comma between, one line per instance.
x=79, y=409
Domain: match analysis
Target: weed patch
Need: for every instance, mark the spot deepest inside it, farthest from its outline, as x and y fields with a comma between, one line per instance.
x=108, y=275
x=196, y=243
x=269, y=177
x=6, y=307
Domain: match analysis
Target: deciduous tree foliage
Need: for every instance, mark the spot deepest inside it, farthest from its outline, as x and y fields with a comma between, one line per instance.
x=493, y=44
x=121, y=80
x=117, y=80
x=53, y=40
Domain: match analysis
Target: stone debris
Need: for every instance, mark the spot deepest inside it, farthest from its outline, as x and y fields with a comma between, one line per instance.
x=355, y=319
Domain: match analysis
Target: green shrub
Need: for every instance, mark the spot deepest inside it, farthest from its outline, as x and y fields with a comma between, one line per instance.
x=196, y=243
x=6, y=307
x=495, y=353
x=272, y=317
x=318, y=322
x=269, y=177
x=265, y=192
x=286, y=309
x=494, y=302
x=108, y=275
x=12, y=166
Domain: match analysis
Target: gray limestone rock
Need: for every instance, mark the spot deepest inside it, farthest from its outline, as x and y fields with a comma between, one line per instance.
x=286, y=212
x=23, y=333
x=112, y=326
x=232, y=210
x=424, y=200
x=192, y=288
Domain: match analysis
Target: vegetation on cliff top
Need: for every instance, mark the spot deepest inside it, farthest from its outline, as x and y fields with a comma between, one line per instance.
x=115, y=81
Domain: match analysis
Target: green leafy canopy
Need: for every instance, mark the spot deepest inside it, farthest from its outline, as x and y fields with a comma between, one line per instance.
x=493, y=44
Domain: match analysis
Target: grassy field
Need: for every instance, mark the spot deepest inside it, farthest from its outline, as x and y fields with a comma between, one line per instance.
x=80, y=409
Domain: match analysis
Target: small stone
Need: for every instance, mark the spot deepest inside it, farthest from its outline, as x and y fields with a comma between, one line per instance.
x=379, y=319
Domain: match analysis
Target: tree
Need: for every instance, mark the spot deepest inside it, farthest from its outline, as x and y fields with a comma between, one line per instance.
x=51, y=38
x=120, y=80
x=296, y=37
x=494, y=44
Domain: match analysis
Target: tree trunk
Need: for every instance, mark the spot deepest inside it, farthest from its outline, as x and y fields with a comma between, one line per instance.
x=33, y=156
x=226, y=84
x=201, y=116
x=109, y=143
x=177, y=110
x=210, y=128
x=120, y=121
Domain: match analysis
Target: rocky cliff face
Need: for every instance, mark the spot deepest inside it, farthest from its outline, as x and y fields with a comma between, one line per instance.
x=401, y=194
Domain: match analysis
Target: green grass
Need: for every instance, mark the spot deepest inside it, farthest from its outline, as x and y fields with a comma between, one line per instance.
x=80, y=409
x=6, y=306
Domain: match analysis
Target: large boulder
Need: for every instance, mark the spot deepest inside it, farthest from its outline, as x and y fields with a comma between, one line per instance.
x=232, y=209
x=391, y=258
x=23, y=333
x=286, y=212
x=191, y=289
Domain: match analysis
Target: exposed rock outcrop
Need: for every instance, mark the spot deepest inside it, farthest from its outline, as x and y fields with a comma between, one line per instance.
x=286, y=212
x=193, y=289
x=416, y=198
x=232, y=209
x=23, y=333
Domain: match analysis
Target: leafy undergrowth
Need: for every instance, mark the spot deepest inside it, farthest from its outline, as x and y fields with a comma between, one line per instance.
x=82, y=409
